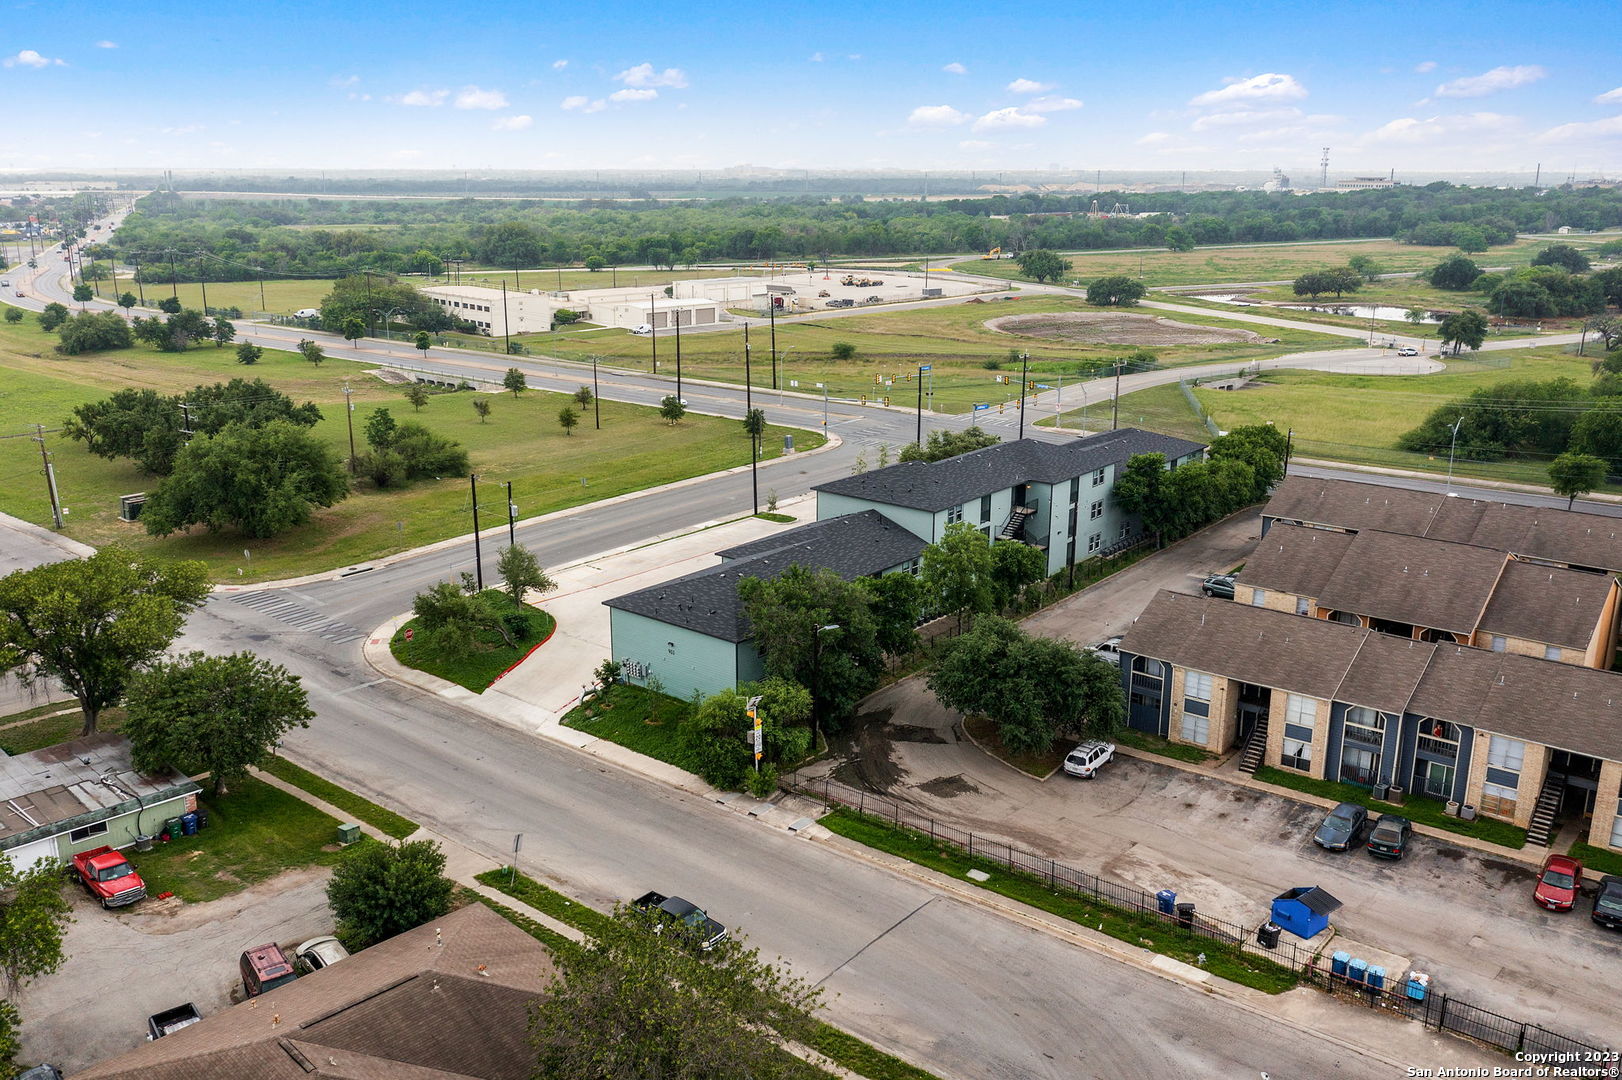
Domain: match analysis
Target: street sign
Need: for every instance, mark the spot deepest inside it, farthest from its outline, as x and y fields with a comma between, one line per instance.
x=926, y=367
x=408, y=633
x=981, y=405
x=794, y=384
x=752, y=709
x=1043, y=386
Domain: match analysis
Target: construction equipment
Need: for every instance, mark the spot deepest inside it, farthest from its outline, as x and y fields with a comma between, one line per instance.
x=860, y=283
x=994, y=253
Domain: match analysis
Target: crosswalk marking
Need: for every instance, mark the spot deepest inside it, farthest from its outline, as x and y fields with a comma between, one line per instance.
x=278, y=607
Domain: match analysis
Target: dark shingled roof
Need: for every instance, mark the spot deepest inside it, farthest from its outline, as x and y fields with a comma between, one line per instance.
x=1294, y=559
x=1573, y=537
x=1567, y=706
x=449, y=999
x=1548, y=604
x=1410, y=579
x=851, y=545
x=939, y=485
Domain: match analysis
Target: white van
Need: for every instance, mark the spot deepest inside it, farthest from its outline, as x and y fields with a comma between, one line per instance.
x=307, y=313
x=642, y=329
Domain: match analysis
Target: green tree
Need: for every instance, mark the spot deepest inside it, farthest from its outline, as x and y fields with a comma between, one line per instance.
x=1342, y=279
x=127, y=300
x=10, y=1035
x=1565, y=256
x=14, y=315
x=412, y=453
x=1041, y=265
x=715, y=737
x=1034, y=689
x=1015, y=565
x=353, y=328
x=1312, y=284
x=671, y=409
x=842, y=350
x=380, y=890
x=259, y=480
x=93, y=331
x=521, y=572
x=1115, y=289
x=567, y=419
x=897, y=603
x=1262, y=447
x=514, y=381
x=1455, y=272
x=1599, y=432
x=584, y=397
x=957, y=573
x=456, y=618
x=169, y=305
x=224, y=332
x=1142, y=488
x=52, y=316
x=1365, y=267
x=787, y=614
x=83, y=294
x=595, y=263
x=417, y=393
x=482, y=407
x=1179, y=239
x=1573, y=474
x=380, y=429
x=248, y=353
x=943, y=444
x=33, y=918
x=1467, y=328
x=1521, y=299
x=423, y=342
x=1415, y=316
x=214, y=714
x=91, y=623
x=636, y=1003
x=513, y=244
x=312, y=352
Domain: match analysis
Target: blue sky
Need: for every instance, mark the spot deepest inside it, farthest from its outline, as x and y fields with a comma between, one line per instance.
x=289, y=84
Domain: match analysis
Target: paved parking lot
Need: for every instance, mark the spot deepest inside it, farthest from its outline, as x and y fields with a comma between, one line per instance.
x=1464, y=916
x=123, y=966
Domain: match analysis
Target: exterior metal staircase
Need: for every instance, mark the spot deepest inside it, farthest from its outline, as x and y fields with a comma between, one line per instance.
x=1014, y=527
x=1255, y=750
x=1543, y=824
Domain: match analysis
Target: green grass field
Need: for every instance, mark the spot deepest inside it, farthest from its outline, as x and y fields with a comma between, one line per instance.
x=521, y=443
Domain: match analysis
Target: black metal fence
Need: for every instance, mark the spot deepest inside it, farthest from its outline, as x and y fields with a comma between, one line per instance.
x=1440, y=1012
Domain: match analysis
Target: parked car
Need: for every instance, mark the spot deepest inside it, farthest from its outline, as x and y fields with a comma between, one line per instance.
x=41, y=1072
x=265, y=967
x=1085, y=760
x=307, y=313
x=1558, y=883
x=109, y=877
x=172, y=1020
x=642, y=329
x=1389, y=838
x=843, y=302
x=688, y=916
x=1608, y=902
x=1218, y=585
x=1340, y=827
x=1108, y=650
x=321, y=952
x=1407, y=350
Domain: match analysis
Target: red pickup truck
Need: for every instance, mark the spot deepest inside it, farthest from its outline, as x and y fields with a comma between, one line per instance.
x=109, y=877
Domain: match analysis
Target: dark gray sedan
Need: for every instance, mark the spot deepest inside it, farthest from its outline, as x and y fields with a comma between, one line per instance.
x=1340, y=828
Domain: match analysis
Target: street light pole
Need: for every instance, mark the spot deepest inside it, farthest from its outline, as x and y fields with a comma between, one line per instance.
x=596, y=396
x=676, y=314
x=1024, y=388
x=1115, y=414
x=920, y=439
x=512, y=515
x=506, y=321
x=816, y=666
x=349, y=415
x=653, y=335
x=771, y=310
x=478, y=558
x=1450, y=448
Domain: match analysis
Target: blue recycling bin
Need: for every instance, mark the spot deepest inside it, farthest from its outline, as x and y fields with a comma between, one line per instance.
x=1166, y=900
x=188, y=823
x=1417, y=985
x=1337, y=963
x=1357, y=970
x=1376, y=977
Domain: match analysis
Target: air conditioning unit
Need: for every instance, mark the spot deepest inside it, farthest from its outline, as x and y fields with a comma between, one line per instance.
x=129, y=506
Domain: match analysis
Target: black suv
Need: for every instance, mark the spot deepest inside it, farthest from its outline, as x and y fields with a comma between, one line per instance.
x=1608, y=902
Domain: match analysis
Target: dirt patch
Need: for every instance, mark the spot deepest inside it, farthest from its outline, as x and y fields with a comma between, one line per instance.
x=1114, y=328
x=949, y=786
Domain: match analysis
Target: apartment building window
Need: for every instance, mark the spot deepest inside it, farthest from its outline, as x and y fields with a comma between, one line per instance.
x=1094, y=542
x=1096, y=511
x=1498, y=799
x=1300, y=717
x=985, y=509
x=1075, y=489
x=1297, y=755
x=1551, y=652
x=1258, y=598
x=1195, y=729
x=1498, y=643
x=1098, y=477
x=954, y=515
x=1616, y=832
x=1126, y=529
x=1303, y=606
x=1301, y=711
x=1505, y=758
x=87, y=832
x=1196, y=686
x=1506, y=754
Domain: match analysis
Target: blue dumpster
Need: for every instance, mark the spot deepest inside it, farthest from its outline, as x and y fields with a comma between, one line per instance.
x=1304, y=911
x=1376, y=977
x=1166, y=900
x=1337, y=963
x=1418, y=983
x=1357, y=970
x=188, y=823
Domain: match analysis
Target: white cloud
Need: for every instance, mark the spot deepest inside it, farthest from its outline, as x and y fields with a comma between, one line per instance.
x=1499, y=78
x=472, y=97
x=1267, y=87
x=106, y=44
x=1052, y=104
x=30, y=58
x=1008, y=118
x=1611, y=125
x=583, y=104
x=936, y=116
x=975, y=144
x=341, y=81
x=816, y=58
x=511, y=123
x=423, y=99
x=1425, y=66
x=1153, y=137
x=633, y=95
x=1244, y=117
x=1410, y=130
x=955, y=68
x=559, y=65
x=187, y=129
x=1610, y=97
x=1028, y=86
x=644, y=75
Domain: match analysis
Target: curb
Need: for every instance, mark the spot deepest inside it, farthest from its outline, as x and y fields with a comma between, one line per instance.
x=1465, y=482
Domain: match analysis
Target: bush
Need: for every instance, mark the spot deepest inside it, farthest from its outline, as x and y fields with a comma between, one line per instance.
x=843, y=350
x=423, y=453
x=381, y=890
x=763, y=783
x=94, y=331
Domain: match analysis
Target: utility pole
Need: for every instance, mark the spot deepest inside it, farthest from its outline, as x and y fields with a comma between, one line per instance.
x=478, y=558
x=771, y=310
x=749, y=420
x=139, y=288
x=204, y=285
x=653, y=335
x=1024, y=388
x=512, y=515
x=596, y=396
x=676, y=315
x=506, y=323
x=748, y=388
x=1115, y=403
x=921, y=369
x=50, y=475
x=349, y=415
x=174, y=279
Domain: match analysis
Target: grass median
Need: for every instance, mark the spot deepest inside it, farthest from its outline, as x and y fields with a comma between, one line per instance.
x=637, y=718
x=1147, y=931
x=362, y=809
x=477, y=670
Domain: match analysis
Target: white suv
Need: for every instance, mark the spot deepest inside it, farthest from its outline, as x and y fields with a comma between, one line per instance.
x=1085, y=760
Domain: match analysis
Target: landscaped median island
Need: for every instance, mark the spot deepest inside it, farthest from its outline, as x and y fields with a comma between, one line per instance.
x=1416, y=808
x=478, y=669
x=843, y=1049
x=637, y=718
x=385, y=821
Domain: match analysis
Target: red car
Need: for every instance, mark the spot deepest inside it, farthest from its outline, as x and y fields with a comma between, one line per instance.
x=1558, y=883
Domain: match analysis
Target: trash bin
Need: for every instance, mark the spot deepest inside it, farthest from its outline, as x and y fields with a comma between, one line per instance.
x=1267, y=935
x=1337, y=963
x=1376, y=977
x=1357, y=971
x=188, y=823
x=1166, y=900
x=1418, y=984
x=1185, y=916
x=202, y=818
x=171, y=829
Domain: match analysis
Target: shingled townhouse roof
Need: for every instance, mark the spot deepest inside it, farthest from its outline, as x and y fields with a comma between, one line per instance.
x=446, y=1001
x=851, y=545
x=1567, y=706
x=940, y=485
x=1571, y=537
x=1548, y=604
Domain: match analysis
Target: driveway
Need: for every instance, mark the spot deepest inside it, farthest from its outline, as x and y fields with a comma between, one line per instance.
x=123, y=966
x=1464, y=916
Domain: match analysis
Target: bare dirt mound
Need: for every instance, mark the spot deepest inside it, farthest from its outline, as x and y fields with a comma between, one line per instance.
x=1114, y=328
